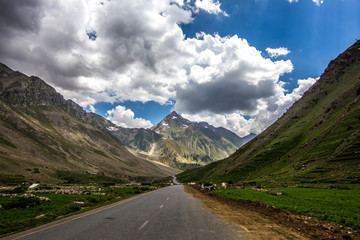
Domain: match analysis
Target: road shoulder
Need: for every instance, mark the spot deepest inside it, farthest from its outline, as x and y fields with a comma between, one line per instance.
x=266, y=222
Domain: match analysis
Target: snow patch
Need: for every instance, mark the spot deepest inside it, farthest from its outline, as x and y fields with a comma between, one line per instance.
x=185, y=126
x=174, y=117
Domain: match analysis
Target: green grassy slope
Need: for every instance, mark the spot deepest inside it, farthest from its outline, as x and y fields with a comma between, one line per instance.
x=316, y=140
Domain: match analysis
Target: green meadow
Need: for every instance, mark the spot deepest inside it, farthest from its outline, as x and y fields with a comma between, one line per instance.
x=338, y=206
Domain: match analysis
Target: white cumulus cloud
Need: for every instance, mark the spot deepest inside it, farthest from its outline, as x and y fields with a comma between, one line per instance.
x=277, y=52
x=126, y=118
x=227, y=74
x=210, y=6
x=271, y=109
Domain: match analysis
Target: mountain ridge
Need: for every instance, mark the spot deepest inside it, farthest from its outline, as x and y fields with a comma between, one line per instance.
x=44, y=137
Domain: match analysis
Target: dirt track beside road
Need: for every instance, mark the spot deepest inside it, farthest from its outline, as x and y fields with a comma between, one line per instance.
x=265, y=222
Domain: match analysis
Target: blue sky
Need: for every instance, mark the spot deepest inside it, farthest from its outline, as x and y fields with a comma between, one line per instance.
x=151, y=110
x=314, y=34
x=134, y=61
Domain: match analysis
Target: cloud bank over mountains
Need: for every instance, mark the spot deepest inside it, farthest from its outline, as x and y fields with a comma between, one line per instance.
x=126, y=118
x=113, y=51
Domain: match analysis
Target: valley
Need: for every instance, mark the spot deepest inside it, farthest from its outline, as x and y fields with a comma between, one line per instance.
x=180, y=143
x=180, y=119
x=306, y=160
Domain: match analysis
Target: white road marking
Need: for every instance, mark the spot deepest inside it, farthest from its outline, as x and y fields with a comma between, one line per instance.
x=144, y=224
x=161, y=206
x=85, y=214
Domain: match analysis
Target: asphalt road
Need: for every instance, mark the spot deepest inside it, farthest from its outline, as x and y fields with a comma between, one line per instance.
x=167, y=213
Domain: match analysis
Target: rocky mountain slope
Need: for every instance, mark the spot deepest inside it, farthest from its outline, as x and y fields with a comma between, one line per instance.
x=202, y=137
x=44, y=137
x=181, y=143
x=316, y=140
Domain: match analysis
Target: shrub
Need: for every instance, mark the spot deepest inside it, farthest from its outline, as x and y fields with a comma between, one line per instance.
x=93, y=200
x=19, y=203
x=19, y=189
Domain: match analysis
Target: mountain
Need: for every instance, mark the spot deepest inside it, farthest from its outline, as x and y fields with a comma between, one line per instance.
x=138, y=139
x=229, y=135
x=44, y=137
x=179, y=142
x=316, y=140
x=201, y=137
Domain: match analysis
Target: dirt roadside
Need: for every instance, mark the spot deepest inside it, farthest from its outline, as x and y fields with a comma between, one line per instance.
x=265, y=222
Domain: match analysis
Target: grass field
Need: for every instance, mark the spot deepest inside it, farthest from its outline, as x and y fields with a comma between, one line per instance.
x=331, y=205
x=18, y=213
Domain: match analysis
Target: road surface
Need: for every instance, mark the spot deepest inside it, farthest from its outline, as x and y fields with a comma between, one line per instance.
x=167, y=213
